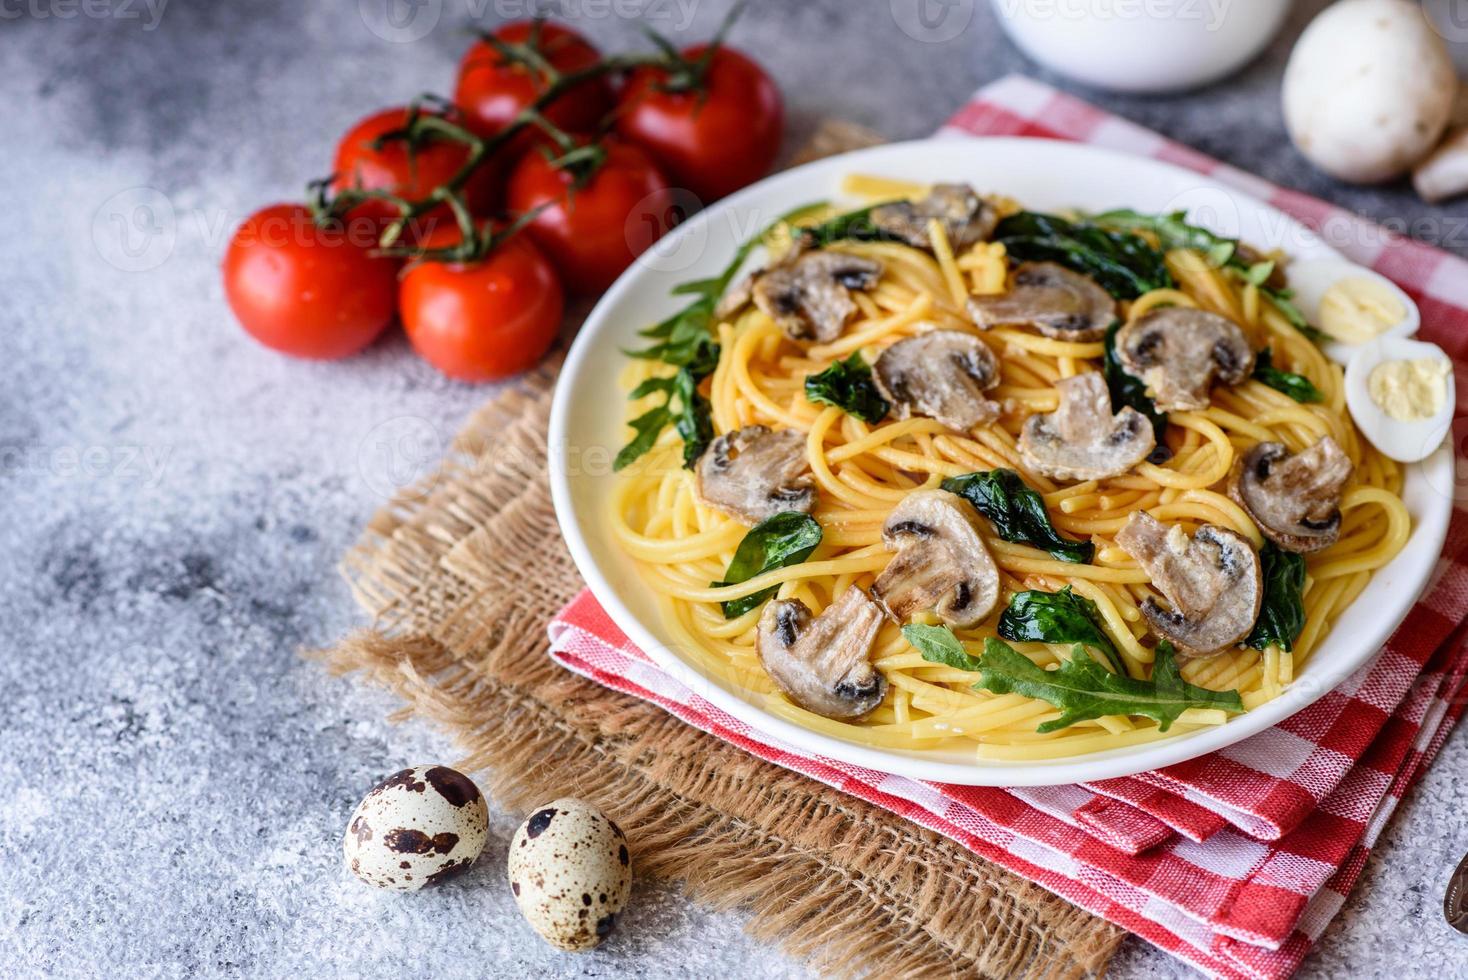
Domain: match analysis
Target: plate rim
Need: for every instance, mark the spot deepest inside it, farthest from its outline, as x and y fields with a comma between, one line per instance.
x=1112, y=763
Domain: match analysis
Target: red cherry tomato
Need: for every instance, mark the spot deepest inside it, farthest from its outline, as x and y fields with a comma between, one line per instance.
x=593, y=232
x=482, y=320
x=306, y=290
x=388, y=168
x=712, y=142
x=492, y=92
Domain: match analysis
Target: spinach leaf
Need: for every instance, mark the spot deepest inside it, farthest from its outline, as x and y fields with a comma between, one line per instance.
x=852, y=226
x=775, y=542
x=1083, y=689
x=1127, y=390
x=1124, y=264
x=685, y=341
x=938, y=645
x=1017, y=513
x=1173, y=231
x=1283, y=299
x=1058, y=617
x=1297, y=386
x=848, y=385
x=1282, y=616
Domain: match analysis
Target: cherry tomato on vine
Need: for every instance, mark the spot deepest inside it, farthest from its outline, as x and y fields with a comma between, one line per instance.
x=388, y=168
x=305, y=289
x=714, y=139
x=493, y=89
x=484, y=319
x=593, y=232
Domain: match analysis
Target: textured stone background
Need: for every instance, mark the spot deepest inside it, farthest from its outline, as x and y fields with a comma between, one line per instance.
x=173, y=777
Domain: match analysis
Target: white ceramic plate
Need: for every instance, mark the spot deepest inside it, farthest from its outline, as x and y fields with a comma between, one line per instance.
x=587, y=427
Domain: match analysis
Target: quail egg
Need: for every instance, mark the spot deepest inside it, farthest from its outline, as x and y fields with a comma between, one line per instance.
x=571, y=873
x=1351, y=304
x=1402, y=396
x=415, y=828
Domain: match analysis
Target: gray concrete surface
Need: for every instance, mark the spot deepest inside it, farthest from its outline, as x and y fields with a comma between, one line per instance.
x=173, y=498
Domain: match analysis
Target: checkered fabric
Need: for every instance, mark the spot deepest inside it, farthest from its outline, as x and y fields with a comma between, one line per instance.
x=1234, y=862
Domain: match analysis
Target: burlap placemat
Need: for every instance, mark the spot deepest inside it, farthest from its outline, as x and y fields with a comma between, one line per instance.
x=461, y=574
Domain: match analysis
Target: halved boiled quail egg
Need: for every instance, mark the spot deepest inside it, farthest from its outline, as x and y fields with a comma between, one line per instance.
x=1351, y=304
x=1402, y=396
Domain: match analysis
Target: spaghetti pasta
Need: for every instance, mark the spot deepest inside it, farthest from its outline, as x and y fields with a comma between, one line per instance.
x=861, y=471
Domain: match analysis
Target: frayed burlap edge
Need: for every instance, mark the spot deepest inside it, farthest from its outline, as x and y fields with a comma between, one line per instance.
x=461, y=574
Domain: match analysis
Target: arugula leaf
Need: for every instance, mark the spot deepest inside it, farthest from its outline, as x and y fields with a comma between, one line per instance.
x=848, y=385
x=1127, y=390
x=1058, y=617
x=852, y=226
x=787, y=538
x=1297, y=386
x=1173, y=231
x=1017, y=513
x=1124, y=264
x=938, y=645
x=1083, y=689
x=1282, y=615
x=685, y=340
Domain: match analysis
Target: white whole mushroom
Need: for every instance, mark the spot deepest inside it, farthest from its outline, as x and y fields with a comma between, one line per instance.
x=1368, y=90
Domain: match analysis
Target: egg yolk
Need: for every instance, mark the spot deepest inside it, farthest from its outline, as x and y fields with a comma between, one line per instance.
x=1359, y=309
x=1409, y=391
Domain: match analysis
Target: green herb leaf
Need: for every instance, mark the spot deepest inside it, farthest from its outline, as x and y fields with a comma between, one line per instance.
x=1173, y=231
x=852, y=226
x=1124, y=264
x=1283, y=299
x=938, y=645
x=1282, y=615
x=1297, y=386
x=775, y=542
x=848, y=385
x=1058, y=617
x=1017, y=513
x=686, y=341
x=1082, y=689
x=1127, y=390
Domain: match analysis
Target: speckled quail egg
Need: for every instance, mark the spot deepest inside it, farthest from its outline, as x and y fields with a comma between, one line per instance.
x=571, y=873
x=415, y=828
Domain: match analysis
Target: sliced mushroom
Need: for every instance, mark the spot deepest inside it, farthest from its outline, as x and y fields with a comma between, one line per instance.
x=941, y=564
x=1179, y=353
x=1049, y=297
x=1213, y=582
x=1294, y=498
x=967, y=218
x=1082, y=440
x=809, y=295
x=753, y=473
x=824, y=664
x=942, y=375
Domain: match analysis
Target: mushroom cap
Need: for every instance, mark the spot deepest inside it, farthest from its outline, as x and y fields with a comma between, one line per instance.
x=1295, y=498
x=1213, y=582
x=1082, y=440
x=1051, y=298
x=754, y=473
x=809, y=295
x=942, y=375
x=824, y=663
x=942, y=562
x=967, y=218
x=1179, y=353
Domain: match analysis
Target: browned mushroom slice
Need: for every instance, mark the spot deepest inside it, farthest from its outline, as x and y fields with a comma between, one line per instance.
x=1213, y=582
x=1294, y=498
x=941, y=564
x=1049, y=297
x=1082, y=440
x=1179, y=353
x=941, y=375
x=753, y=473
x=809, y=297
x=967, y=218
x=824, y=664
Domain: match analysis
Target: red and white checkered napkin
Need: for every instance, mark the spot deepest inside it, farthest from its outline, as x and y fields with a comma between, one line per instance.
x=1236, y=861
